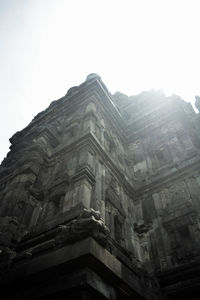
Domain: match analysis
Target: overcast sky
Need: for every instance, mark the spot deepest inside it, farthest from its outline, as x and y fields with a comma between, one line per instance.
x=48, y=46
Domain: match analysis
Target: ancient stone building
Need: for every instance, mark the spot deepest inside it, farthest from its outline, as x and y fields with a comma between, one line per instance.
x=100, y=199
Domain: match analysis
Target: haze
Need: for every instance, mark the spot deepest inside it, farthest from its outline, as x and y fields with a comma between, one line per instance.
x=48, y=46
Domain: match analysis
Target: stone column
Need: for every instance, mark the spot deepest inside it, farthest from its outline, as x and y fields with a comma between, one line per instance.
x=80, y=190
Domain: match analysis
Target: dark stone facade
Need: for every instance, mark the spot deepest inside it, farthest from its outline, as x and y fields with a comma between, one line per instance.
x=100, y=198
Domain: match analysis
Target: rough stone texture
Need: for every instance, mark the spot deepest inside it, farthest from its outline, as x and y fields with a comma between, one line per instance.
x=100, y=198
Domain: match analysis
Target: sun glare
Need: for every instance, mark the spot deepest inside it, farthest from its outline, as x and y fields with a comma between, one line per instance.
x=135, y=45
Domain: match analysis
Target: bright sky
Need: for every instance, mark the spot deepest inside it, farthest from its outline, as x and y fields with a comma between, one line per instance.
x=48, y=46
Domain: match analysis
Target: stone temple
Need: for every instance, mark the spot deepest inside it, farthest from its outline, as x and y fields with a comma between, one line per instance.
x=100, y=199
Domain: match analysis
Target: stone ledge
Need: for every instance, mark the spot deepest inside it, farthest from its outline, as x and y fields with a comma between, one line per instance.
x=89, y=253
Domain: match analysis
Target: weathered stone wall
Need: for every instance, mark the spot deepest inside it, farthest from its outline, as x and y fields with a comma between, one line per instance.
x=164, y=158
x=124, y=170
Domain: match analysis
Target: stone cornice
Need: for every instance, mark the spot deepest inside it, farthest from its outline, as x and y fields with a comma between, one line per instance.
x=70, y=103
x=175, y=172
x=90, y=140
x=90, y=253
x=157, y=181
